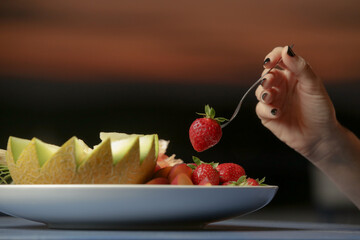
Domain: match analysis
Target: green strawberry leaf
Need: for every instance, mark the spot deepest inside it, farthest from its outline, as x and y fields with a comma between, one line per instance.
x=201, y=114
x=210, y=113
x=241, y=181
x=192, y=166
x=232, y=183
x=198, y=162
x=214, y=164
x=261, y=182
x=221, y=119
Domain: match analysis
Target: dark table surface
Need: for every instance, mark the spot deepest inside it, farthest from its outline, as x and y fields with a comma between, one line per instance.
x=17, y=228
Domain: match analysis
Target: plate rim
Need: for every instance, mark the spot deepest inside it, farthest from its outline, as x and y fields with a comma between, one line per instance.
x=161, y=186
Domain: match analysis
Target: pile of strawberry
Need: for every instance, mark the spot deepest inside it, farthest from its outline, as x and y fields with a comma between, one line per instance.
x=204, y=133
x=201, y=173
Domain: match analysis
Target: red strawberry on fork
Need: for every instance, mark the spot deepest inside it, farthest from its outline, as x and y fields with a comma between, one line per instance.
x=206, y=132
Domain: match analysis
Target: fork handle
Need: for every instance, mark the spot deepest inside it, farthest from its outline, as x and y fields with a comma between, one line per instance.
x=247, y=92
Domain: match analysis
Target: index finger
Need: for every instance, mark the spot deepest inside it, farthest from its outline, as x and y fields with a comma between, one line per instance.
x=273, y=57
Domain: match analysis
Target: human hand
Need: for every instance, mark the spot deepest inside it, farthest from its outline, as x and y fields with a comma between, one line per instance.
x=294, y=105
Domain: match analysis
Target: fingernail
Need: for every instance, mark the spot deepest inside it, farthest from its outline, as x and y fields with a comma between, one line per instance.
x=264, y=96
x=262, y=81
x=290, y=52
x=274, y=111
x=266, y=60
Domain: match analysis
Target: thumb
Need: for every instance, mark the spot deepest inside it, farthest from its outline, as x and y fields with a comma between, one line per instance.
x=299, y=67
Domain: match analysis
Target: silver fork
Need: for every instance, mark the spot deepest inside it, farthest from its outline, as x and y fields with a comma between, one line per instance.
x=247, y=92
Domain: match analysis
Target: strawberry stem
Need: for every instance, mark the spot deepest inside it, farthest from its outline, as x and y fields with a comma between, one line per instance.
x=198, y=162
x=210, y=113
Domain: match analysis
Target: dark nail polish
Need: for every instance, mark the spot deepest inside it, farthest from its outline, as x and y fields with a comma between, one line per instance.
x=290, y=52
x=274, y=111
x=264, y=96
x=262, y=81
x=266, y=60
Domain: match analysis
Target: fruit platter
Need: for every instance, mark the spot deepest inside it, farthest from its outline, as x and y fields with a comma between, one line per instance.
x=127, y=181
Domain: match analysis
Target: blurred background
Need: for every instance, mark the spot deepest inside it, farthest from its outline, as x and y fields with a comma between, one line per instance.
x=80, y=67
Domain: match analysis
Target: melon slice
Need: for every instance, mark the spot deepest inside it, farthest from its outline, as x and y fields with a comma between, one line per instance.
x=112, y=162
x=146, y=142
x=30, y=160
x=15, y=147
x=62, y=166
x=130, y=159
x=126, y=157
x=149, y=150
x=97, y=166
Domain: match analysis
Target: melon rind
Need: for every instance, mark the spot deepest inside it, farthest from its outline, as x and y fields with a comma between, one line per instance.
x=149, y=150
x=28, y=166
x=13, y=154
x=127, y=166
x=97, y=167
x=61, y=168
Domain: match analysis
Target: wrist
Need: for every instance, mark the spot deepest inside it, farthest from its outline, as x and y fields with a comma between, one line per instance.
x=328, y=145
x=335, y=148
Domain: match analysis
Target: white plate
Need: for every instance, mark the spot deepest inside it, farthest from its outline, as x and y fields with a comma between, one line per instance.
x=131, y=206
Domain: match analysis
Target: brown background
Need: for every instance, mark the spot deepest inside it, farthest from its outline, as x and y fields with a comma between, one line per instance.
x=80, y=67
x=182, y=41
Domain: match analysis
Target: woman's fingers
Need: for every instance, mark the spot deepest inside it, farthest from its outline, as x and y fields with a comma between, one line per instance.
x=295, y=66
x=269, y=96
x=267, y=112
x=273, y=96
x=273, y=88
x=292, y=62
x=273, y=57
x=272, y=79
